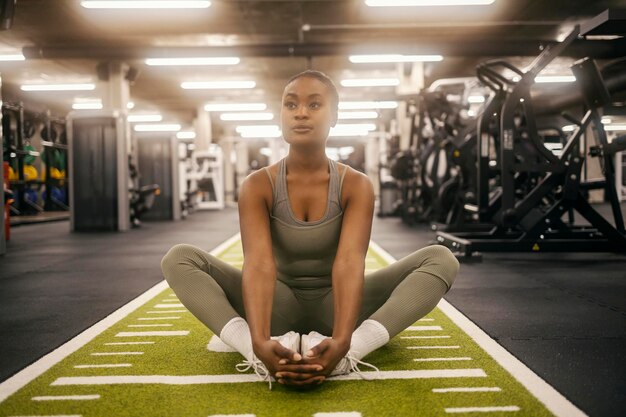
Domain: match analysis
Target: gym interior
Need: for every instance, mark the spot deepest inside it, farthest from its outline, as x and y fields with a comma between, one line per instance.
x=496, y=128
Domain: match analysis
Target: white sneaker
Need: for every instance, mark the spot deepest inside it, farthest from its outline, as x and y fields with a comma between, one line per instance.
x=347, y=364
x=290, y=340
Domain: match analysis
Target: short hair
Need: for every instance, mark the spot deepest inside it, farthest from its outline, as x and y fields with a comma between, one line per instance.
x=320, y=76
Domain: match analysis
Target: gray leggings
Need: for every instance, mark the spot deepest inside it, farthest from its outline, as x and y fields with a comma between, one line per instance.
x=396, y=296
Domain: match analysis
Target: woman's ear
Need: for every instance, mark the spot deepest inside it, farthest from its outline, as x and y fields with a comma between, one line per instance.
x=335, y=116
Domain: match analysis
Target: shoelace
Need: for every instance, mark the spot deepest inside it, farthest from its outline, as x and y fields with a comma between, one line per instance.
x=258, y=367
x=354, y=363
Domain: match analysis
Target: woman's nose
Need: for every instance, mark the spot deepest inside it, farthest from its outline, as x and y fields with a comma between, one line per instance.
x=302, y=112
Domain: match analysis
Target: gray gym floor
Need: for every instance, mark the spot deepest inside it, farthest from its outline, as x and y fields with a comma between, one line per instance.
x=563, y=315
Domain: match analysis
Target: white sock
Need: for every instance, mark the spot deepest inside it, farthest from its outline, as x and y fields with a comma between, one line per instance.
x=236, y=334
x=368, y=337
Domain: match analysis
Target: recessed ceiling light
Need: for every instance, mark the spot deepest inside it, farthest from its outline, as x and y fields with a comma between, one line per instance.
x=246, y=116
x=193, y=61
x=235, y=107
x=400, y=3
x=367, y=105
x=216, y=85
x=186, y=135
x=142, y=118
x=343, y=115
x=555, y=79
x=158, y=128
x=58, y=87
x=366, y=59
x=371, y=82
x=12, y=57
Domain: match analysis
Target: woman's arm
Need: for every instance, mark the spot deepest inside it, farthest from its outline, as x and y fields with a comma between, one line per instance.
x=349, y=266
x=259, y=270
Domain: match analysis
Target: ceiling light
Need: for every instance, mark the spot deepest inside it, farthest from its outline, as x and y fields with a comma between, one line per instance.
x=142, y=118
x=12, y=57
x=614, y=128
x=198, y=85
x=235, y=106
x=186, y=135
x=193, y=61
x=94, y=105
x=371, y=82
x=58, y=87
x=568, y=128
x=259, y=131
x=246, y=116
x=602, y=37
x=343, y=115
x=130, y=105
x=352, y=129
x=367, y=105
x=145, y=4
x=397, y=3
x=476, y=99
x=367, y=59
x=606, y=121
x=158, y=128
x=555, y=78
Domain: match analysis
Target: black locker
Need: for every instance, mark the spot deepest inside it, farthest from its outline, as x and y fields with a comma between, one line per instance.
x=154, y=161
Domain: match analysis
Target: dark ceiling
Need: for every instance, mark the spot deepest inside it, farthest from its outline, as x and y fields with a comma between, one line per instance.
x=276, y=39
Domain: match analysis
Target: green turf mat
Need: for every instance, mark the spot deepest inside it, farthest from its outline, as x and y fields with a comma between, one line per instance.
x=433, y=368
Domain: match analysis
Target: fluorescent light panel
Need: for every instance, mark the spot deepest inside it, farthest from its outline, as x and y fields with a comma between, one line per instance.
x=94, y=105
x=367, y=105
x=615, y=128
x=58, y=87
x=246, y=116
x=417, y=3
x=235, y=107
x=146, y=4
x=216, y=85
x=352, y=129
x=367, y=59
x=193, y=61
x=12, y=57
x=142, y=118
x=158, y=128
x=343, y=115
x=259, y=131
x=186, y=135
x=476, y=99
x=371, y=82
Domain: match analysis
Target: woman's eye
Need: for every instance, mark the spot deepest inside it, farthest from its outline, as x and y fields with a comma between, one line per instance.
x=315, y=105
x=290, y=106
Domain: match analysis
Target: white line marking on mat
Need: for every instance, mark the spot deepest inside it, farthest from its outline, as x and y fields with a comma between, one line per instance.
x=115, y=353
x=232, y=415
x=160, y=318
x=339, y=414
x=162, y=333
x=172, y=295
x=108, y=365
x=424, y=337
x=441, y=359
x=469, y=389
x=169, y=301
x=482, y=409
x=544, y=392
x=168, y=305
x=423, y=328
x=238, y=378
x=66, y=397
x=150, y=325
x=56, y=415
x=426, y=320
x=167, y=311
x=433, y=347
x=128, y=343
x=28, y=374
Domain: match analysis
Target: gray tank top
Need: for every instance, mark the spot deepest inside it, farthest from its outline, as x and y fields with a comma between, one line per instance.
x=304, y=252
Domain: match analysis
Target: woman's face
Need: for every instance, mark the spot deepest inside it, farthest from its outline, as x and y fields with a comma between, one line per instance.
x=308, y=112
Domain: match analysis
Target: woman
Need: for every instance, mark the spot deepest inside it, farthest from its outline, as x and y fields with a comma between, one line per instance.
x=305, y=227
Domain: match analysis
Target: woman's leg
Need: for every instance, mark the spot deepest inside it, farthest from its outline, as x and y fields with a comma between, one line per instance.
x=211, y=290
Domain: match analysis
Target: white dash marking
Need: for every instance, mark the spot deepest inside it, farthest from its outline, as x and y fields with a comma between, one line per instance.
x=109, y=365
x=178, y=305
x=56, y=415
x=160, y=318
x=339, y=414
x=469, y=389
x=441, y=359
x=426, y=320
x=66, y=397
x=167, y=300
x=239, y=378
x=424, y=337
x=128, y=343
x=482, y=409
x=433, y=347
x=423, y=328
x=232, y=415
x=150, y=325
x=162, y=333
x=115, y=353
x=172, y=295
x=168, y=311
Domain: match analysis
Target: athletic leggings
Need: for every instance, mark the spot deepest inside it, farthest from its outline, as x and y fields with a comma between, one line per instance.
x=396, y=296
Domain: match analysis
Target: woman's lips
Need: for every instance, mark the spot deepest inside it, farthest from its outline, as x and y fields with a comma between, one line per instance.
x=302, y=129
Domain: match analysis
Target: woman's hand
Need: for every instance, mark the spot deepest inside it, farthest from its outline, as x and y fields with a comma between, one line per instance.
x=286, y=366
x=327, y=354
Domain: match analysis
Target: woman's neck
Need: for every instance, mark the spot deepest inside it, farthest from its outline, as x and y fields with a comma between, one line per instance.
x=307, y=161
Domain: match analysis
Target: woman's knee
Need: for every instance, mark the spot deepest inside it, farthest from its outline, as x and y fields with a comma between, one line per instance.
x=176, y=256
x=441, y=262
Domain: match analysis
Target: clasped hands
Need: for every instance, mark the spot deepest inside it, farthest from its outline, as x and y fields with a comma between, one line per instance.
x=301, y=370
